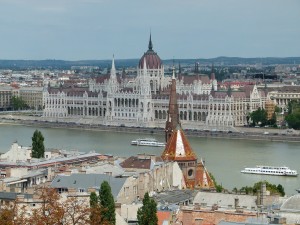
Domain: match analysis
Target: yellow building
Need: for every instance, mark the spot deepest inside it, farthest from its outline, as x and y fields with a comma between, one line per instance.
x=270, y=108
x=32, y=96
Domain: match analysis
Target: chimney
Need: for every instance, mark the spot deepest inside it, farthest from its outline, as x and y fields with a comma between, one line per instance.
x=236, y=202
x=263, y=193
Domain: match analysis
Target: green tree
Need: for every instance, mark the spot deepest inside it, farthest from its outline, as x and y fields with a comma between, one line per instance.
x=259, y=116
x=18, y=103
x=38, y=148
x=146, y=215
x=273, y=120
x=107, y=204
x=293, y=106
x=280, y=189
x=93, y=199
x=219, y=187
x=293, y=117
x=277, y=109
x=270, y=187
x=293, y=120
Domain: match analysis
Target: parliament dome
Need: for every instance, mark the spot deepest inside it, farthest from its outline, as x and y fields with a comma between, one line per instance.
x=152, y=59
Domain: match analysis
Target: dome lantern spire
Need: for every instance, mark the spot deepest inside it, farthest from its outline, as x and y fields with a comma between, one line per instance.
x=150, y=45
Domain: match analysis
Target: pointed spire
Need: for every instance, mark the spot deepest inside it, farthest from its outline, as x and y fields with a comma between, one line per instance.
x=212, y=75
x=179, y=68
x=113, y=63
x=173, y=75
x=150, y=46
x=113, y=68
x=173, y=113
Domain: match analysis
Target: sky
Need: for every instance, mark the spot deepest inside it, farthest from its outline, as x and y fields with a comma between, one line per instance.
x=97, y=29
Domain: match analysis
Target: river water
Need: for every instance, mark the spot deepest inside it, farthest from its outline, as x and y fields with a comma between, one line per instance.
x=224, y=158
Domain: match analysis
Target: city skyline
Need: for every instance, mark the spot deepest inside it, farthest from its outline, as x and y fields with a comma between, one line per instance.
x=97, y=29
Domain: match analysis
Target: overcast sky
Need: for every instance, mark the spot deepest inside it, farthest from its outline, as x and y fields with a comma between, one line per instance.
x=97, y=29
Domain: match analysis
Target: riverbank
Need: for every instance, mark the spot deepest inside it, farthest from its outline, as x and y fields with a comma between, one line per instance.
x=255, y=134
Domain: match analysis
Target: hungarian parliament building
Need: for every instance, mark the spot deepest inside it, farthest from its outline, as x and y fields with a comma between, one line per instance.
x=143, y=100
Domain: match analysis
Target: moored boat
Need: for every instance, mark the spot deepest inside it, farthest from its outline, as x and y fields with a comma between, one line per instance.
x=271, y=170
x=148, y=142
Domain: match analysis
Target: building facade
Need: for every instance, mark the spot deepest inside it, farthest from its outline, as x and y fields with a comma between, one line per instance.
x=143, y=101
x=32, y=96
x=6, y=94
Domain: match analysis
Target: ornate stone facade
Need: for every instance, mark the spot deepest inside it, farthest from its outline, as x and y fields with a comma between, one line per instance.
x=143, y=101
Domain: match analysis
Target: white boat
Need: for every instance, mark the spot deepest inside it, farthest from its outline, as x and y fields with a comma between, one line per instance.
x=271, y=170
x=148, y=142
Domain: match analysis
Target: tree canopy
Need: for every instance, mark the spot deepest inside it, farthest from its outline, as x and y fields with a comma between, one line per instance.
x=18, y=103
x=107, y=204
x=259, y=116
x=293, y=117
x=146, y=215
x=38, y=148
x=50, y=209
x=256, y=187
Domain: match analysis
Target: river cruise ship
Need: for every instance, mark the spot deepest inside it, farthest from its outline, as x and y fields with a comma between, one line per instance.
x=148, y=142
x=271, y=170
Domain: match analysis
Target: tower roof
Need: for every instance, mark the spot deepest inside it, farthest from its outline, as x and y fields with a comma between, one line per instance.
x=152, y=59
x=173, y=115
x=178, y=147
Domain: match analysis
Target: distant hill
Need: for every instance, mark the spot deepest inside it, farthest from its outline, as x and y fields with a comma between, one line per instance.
x=63, y=64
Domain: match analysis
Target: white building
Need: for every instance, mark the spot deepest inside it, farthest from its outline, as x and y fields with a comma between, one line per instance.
x=143, y=101
x=16, y=153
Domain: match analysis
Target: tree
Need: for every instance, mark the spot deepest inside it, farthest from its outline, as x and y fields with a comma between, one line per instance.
x=13, y=214
x=277, y=109
x=293, y=117
x=93, y=199
x=146, y=215
x=76, y=211
x=107, y=204
x=38, y=148
x=95, y=213
x=219, y=187
x=18, y=103
x=270, y=187
x=293, y=120
x=259, y=116
x=50, y=210
x=273, y=120
x=280, y=189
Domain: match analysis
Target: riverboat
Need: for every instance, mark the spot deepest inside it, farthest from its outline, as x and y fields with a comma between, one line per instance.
x=148, y=142
x=271, y=170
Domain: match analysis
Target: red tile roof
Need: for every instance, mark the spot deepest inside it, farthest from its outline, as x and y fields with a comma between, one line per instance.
x=134, y=162
x=189, y=79
x=162, y=216
x=178, y=148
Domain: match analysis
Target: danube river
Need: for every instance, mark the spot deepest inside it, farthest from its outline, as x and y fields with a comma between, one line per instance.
x=224, y=158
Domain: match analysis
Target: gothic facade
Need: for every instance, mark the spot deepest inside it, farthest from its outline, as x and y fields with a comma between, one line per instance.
x=143, y=101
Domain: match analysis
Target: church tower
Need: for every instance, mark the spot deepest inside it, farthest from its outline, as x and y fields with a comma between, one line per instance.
x=179, y=149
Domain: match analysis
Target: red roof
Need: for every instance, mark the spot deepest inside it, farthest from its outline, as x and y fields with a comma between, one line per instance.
x=152, y=60
x=189, y=79
x=178, y=148
x=162, y=216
